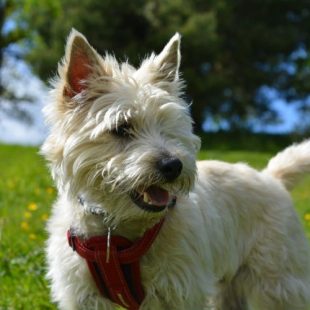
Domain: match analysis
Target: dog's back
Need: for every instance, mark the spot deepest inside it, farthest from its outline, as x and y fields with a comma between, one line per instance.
x=250, y=216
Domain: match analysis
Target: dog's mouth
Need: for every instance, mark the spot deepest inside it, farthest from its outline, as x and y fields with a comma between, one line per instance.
x=153, y=199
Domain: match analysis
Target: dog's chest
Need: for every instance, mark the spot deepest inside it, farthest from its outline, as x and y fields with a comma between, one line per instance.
x=177, y=268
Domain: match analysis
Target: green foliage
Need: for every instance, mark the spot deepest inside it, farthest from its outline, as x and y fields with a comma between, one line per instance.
x=26, y=195
x=230, y=48
x=243, y=140
x=9, y=36
x=9, y=8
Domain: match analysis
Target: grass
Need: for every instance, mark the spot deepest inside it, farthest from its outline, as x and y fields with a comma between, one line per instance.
x=26, y=194
x=25, y=198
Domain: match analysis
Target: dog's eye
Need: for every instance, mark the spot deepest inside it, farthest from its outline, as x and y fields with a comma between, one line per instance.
x=123, y=130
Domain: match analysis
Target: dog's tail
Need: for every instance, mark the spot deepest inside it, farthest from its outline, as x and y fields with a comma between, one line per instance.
x=291, y=164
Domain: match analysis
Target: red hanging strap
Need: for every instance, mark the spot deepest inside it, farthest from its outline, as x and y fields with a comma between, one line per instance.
x=116, y=269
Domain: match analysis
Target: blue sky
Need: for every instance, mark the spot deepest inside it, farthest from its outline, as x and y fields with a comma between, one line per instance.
x=287, y=113
x=18, y=76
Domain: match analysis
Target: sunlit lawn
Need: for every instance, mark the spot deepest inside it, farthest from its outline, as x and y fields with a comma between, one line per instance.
x=26, y=194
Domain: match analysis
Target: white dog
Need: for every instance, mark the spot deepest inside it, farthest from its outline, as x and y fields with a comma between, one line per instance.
x=208, y=234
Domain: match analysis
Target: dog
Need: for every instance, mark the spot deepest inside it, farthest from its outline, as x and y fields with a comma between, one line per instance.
x=122, y=153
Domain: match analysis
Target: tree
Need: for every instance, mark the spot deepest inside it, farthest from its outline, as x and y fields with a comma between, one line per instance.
x=9, y=37
x=231, y=49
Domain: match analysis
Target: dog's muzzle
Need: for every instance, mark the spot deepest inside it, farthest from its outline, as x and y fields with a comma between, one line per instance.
x=153, y=199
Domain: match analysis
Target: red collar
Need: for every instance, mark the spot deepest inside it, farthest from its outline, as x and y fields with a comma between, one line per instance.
x=115, y=264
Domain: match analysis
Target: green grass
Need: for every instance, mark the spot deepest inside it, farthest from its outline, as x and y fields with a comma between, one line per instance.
x=25, y=198
x=26, y=194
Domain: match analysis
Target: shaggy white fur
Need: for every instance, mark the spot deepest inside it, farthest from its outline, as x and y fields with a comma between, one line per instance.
x=233, y=240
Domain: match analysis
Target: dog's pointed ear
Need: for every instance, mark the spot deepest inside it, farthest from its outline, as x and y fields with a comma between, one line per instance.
x=168, y=61
x=82, y=61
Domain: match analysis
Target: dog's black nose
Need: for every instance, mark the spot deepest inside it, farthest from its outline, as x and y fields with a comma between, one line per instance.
x=170, y=167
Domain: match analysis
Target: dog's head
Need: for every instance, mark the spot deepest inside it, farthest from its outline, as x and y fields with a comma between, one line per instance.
x=121, y=137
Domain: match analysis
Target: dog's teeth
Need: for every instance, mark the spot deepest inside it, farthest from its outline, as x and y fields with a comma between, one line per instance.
x=146, y=198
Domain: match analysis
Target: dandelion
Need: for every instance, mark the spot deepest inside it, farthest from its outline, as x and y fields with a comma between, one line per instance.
x=307, y=217
x=32, y=206
x=50, y=190
x=32, y=237
x=24, y=225
x=27, y=215
x=44, y=217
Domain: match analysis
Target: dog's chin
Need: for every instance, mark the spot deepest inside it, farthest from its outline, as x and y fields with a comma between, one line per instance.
x=153, y=199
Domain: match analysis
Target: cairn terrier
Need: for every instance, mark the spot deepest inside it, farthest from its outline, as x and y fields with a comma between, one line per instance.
x=123, y=156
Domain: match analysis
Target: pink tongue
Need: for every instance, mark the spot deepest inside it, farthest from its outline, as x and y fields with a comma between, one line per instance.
x=159, y=196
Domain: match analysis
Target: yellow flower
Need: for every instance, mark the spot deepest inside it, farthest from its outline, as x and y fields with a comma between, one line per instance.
x=32, y=237
x=27, y=215
x=50, y=190
x=32, y=206
x=24, y=225
x=307, y=217
x=44, y=217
